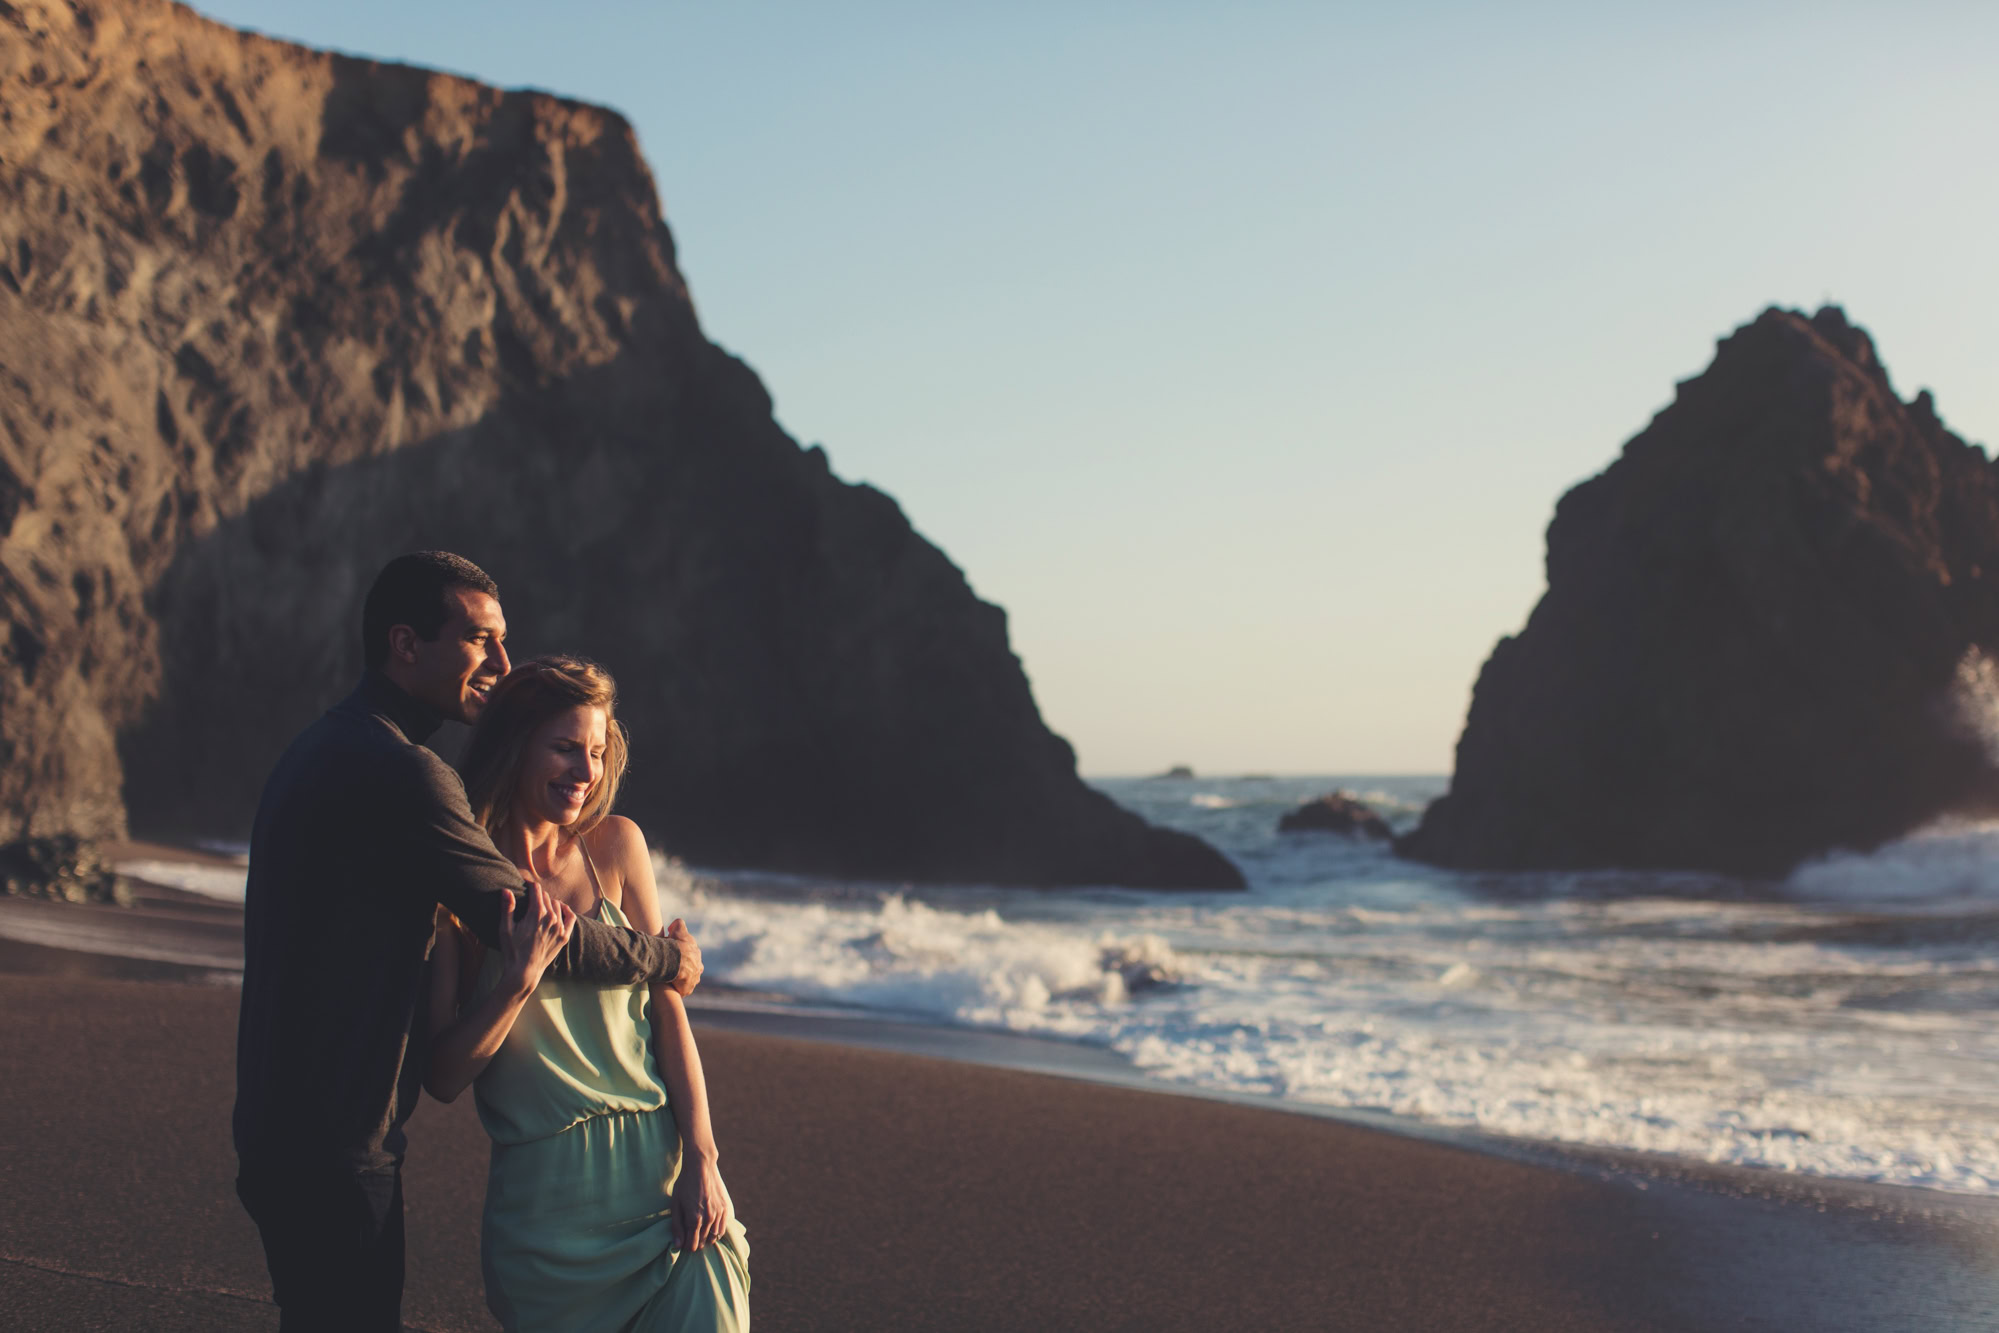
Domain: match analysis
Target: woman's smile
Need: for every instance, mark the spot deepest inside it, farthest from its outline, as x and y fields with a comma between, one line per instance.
x=563, y=764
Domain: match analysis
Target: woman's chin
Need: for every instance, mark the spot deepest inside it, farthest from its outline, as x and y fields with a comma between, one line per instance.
x=561, y=816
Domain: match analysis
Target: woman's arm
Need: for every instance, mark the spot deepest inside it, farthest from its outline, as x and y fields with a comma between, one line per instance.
x=461, y=1043
x=701, y=1204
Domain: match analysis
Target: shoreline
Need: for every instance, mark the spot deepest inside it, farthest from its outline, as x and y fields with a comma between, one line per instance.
x=1053, y=1057
x=123, y=943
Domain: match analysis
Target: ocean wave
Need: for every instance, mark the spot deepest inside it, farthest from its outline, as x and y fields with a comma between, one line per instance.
x=1745, y=1032
x=226, y=883
x=1953, y=862
x=905, y=956
x=1388, y=804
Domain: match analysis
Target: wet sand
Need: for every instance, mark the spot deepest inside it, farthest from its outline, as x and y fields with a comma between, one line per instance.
x=886, y=1190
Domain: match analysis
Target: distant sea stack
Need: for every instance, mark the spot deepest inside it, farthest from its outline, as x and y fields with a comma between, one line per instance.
x=1336, y=812
x=1768, y=632
x=269, y=316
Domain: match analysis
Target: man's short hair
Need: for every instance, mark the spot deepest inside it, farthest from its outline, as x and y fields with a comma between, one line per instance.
x=410, y=591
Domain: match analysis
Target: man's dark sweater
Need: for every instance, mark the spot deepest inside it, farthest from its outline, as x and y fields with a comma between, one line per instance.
x=361, y=831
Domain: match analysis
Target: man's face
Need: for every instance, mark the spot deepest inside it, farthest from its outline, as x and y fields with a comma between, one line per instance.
x=454, y=672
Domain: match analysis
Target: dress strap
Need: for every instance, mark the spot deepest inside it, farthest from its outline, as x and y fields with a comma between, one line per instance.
x=591, y=866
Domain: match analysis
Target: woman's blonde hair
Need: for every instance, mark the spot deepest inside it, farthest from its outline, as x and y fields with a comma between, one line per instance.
x=529, y=695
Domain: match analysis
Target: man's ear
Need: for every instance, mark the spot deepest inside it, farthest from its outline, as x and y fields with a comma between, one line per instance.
x=402, y=643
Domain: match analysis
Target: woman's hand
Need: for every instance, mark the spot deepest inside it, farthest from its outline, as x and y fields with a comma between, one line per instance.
x=531, y=939
x=701, y=1205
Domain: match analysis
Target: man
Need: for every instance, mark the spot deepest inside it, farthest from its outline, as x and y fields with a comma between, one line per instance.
x=361, y=831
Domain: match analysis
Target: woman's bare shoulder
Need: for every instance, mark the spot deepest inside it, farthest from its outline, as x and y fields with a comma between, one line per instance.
x=618, y=846
x=617, y=841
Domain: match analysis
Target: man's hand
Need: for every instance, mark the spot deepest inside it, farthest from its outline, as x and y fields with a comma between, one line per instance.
x=689, y=975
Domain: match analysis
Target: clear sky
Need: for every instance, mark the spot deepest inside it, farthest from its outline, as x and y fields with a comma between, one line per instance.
x=1240, y=351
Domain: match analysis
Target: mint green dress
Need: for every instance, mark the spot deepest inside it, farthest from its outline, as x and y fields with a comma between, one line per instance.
x=577, y=1234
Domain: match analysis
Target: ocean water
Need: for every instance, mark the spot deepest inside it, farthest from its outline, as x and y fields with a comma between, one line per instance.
x=1841, y=1021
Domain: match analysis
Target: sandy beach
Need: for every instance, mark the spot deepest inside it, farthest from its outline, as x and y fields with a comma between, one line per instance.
x=894, y=1190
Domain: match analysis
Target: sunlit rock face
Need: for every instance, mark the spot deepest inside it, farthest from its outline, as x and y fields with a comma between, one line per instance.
x=270, y=316
x=1765, y=634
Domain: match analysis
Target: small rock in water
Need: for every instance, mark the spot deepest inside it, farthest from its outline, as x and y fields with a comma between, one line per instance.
x=1177, y=771
x=1337, y=812
x=1143, y=966
x=60, y=868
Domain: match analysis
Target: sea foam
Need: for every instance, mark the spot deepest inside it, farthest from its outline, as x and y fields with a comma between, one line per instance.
x=222, y=882
x=1833, y=1024
x=1952, y=862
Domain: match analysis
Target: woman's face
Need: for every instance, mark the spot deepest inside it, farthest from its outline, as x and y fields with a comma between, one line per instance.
x=565, y=759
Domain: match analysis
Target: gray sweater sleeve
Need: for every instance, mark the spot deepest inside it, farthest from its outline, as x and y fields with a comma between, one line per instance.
x=450, y=858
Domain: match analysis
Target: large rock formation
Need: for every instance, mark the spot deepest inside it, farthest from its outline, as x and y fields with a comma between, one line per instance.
x=1764, y=635
x=269, y=316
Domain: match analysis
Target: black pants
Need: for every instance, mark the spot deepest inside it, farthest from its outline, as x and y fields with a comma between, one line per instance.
x=334, y=1243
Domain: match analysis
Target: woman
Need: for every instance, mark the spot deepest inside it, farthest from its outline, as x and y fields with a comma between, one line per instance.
x=604, y=1207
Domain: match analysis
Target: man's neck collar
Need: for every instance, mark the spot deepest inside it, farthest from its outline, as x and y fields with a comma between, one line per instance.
x=417, y=720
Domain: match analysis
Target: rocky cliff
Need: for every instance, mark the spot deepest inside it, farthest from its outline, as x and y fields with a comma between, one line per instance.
x=269, y=316
x=1765, y=634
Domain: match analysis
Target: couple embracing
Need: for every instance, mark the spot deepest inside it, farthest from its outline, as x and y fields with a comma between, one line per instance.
x=407, y=928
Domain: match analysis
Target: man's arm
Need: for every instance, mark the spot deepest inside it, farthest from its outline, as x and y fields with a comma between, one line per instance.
x=448, y=856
